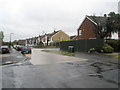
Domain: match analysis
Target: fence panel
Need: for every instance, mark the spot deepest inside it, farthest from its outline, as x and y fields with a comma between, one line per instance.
x=82, y=45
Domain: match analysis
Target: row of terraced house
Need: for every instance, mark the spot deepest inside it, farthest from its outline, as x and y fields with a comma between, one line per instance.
x=46, y=39
x=85, y=31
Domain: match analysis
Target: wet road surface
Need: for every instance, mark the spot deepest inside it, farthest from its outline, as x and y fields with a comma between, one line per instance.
x=73, y=73
x=12, y=57
x=40, y=57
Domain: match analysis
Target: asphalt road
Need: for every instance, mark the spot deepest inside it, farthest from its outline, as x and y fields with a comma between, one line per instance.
x=53, y=74
x=12, y=57
x=40, y=57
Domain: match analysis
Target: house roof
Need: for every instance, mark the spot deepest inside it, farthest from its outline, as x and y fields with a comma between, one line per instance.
x=98, y=19
x=21, y=40
x=51, y=34
x=72, y=37
x=42, y=36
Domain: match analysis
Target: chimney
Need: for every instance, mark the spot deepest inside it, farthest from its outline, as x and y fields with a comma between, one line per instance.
x=54, y=30
x=105, y=15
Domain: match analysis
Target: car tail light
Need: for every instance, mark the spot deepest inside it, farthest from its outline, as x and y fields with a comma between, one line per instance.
x=29, y=48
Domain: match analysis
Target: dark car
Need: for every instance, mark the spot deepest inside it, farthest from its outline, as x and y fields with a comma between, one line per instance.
x=4, y=49
x=26, y=50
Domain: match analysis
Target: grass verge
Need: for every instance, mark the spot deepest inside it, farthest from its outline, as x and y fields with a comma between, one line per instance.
x=117, y=57
x=60, y=52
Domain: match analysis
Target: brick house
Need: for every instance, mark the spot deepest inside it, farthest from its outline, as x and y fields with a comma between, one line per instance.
x=88, y=27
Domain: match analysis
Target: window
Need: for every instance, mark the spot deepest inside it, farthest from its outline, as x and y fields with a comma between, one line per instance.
x=80, y=32
x=61, y=38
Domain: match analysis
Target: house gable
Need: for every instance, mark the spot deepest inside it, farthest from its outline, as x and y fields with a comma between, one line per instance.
x=86, y=30
x=59, y=36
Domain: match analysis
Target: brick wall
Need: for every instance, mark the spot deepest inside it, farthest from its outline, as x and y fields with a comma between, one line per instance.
x=87, y=28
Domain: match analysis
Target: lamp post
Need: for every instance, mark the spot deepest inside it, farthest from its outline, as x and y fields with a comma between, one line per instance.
x=10, y=38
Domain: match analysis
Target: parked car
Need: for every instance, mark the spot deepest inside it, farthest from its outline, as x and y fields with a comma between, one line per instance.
x=19, y=48
x=26, y=50
x=4, y=49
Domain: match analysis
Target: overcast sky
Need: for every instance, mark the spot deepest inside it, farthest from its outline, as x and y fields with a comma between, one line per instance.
x=29, y=18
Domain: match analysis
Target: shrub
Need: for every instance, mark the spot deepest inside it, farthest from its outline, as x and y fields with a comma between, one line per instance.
x=104, y=49
x=56, y=44
x=107, y=49
x=40, y=44
x=114, y=44
x=91, y=50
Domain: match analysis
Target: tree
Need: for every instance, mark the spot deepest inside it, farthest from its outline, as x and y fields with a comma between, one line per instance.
x=101, y=30
x=113, y=22
x=1, y=35
x=111, y=25
x=15, y=42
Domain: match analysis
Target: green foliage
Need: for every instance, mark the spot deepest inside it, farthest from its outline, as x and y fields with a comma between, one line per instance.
x=56, y=44
x=15, y=42
x=104, y=49
x=40, y=44
x=100, y=33
x=107, y=49
x=112, y=25
x=1, y=35
x=114, y=44
x=113, y=22
x=117, y=57
x=91, y=50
